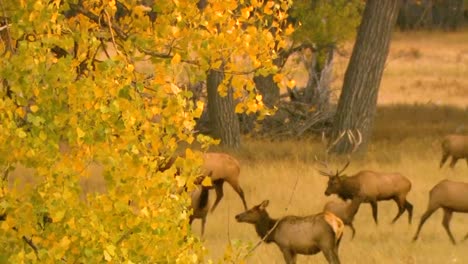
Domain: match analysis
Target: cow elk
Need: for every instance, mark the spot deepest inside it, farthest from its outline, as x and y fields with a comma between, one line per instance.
x=345, y=210
x=220, y=167
x=452, y=197
x=200, y=206
x=455, y=146
x=305, y=235
x=224, y=168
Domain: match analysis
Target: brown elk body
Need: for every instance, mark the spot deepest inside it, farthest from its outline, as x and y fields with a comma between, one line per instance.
x=220, y=167
x=306, y=235
x=455, y=146
x=345, y=210
x=224, y=168
x=452, y=197
x=200, y=206
x=371, y=187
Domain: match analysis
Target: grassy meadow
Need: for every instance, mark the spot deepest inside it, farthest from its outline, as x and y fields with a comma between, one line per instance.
x=424, y=95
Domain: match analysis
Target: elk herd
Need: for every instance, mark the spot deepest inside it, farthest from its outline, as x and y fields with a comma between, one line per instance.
x=322, y=232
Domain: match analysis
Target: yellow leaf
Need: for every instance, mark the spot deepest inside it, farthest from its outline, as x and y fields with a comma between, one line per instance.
x=34, y=108
x=278, y=77
x=175, y=89
x=20, y=111
x=20, y=133
x=291, y=83
x=246, y=12
x=80, y=132
x=42, y=135
x=110, y=249
x=58, y=216
x=289, y=30
x=180, y=181
x=107, y=256
x=65, y=242
x=239, y=108
x=207, y=182
x=176, y=59
x=145, y=211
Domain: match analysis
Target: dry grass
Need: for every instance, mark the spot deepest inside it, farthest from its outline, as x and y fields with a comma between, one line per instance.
x=422, y=68
x=424, y=95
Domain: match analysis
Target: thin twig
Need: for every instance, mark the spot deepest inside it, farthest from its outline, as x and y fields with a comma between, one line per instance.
x=277, y=222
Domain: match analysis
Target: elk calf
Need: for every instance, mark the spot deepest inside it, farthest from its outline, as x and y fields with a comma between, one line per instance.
x=455, y=146
x=452, y=197
x=371, y=187
x=345, y=210
x=294, y=235
x=199, y=204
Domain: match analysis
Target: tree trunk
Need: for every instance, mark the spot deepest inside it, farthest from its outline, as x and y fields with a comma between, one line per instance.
x=268, y=89
x=223, y=119
x=358, y=99
x=317, y=90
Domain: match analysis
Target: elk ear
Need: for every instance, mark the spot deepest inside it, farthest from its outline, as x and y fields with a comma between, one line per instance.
x=264, y=204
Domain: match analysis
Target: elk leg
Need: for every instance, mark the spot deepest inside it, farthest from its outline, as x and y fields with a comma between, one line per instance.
x=235, y=185
x=466, y=237
x=218, y=185
x=374, y=211
x=453, y=162
x=409, y=208
x=446, y=223
x=332, y=256
x=289, y=256
x=241, y=194
x=401, y=209
x=352, y=230
x=444, y=159
x=203, y=223
x=424, y=217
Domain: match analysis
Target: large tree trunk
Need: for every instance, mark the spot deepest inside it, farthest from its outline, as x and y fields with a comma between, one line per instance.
x=358, y=99
x=223, y=119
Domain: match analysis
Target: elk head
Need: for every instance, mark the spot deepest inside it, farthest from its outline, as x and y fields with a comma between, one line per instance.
x=335, y=179
x=254, y=214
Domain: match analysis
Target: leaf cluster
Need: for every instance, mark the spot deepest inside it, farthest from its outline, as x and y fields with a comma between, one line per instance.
x=94, y=87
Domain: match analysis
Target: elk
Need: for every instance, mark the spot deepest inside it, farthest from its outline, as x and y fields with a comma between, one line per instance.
x=368, y=186
x=455, y=146
x=345, y=210
x=452, y=197
x=222, y=168
x=305, y=235
x=199, y=204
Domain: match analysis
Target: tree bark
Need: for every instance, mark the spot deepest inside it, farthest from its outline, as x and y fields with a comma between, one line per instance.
x=269, y=89
x=358, y=99
x=223, y=119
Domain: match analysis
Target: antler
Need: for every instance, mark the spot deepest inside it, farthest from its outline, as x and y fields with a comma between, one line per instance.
x=354, y=139
x=328, y=173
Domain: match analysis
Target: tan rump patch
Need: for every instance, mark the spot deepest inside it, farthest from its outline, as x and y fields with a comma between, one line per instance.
x=336, y=224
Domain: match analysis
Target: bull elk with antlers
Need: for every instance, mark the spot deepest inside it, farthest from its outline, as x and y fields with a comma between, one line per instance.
x=369, y=186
